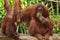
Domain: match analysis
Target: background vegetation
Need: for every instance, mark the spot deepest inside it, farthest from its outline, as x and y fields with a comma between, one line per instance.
x=22, y=28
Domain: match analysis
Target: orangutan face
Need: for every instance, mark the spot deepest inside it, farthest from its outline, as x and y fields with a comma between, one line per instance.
x=40, y=11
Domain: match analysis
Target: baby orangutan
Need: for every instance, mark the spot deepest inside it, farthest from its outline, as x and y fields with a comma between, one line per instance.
x=40, y=27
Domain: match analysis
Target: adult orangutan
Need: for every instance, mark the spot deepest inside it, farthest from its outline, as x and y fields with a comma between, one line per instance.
x=41, y=25
x=9, y=21
x=26, y=14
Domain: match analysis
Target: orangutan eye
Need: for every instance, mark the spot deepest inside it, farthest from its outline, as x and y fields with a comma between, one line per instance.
x=40, y=9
